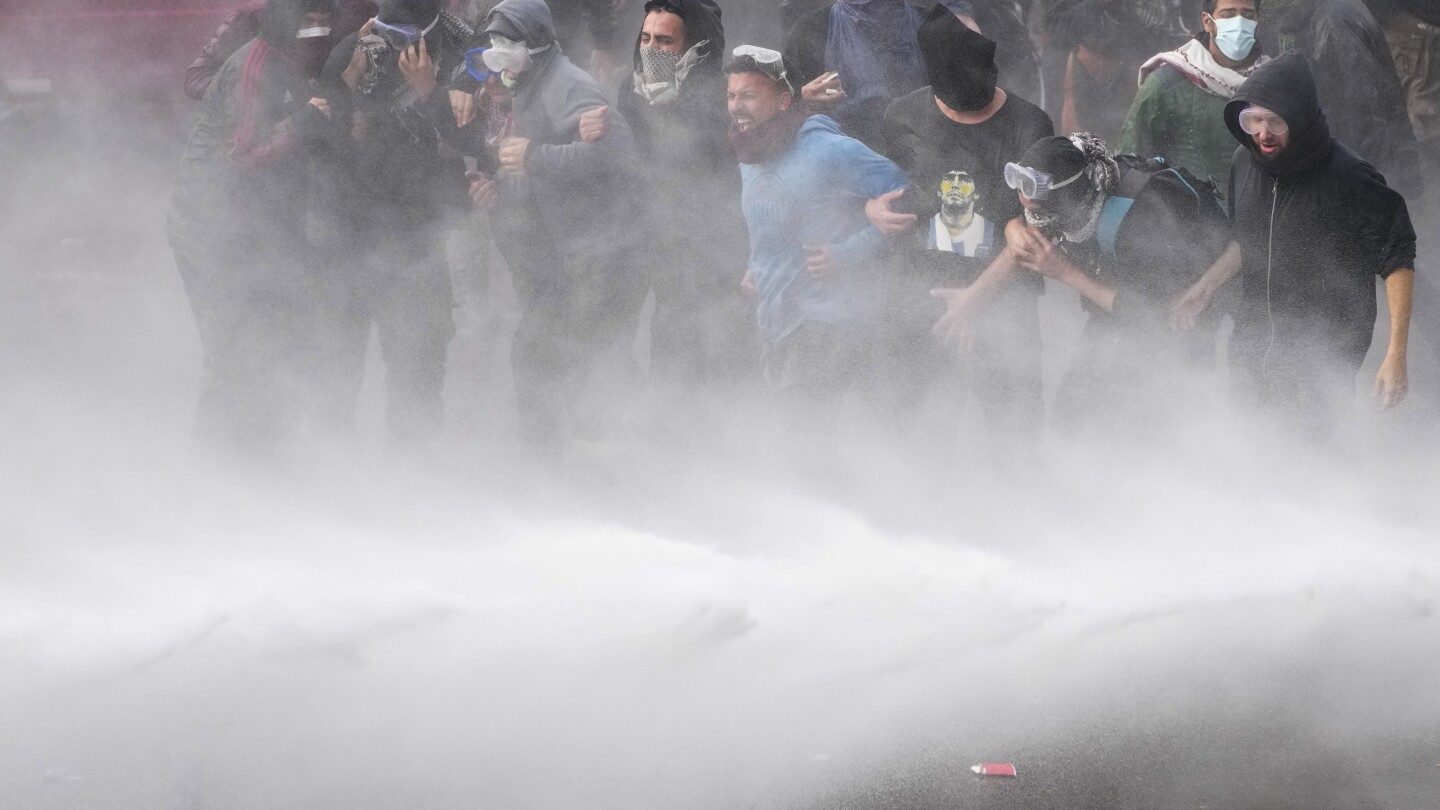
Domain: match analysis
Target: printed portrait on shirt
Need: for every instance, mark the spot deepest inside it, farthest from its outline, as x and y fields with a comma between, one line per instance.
x=959, y=227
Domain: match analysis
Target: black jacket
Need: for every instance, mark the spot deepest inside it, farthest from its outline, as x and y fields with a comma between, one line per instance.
x=691, y=178
x=1316, y=226
x=1357, y=84
x=385, y=170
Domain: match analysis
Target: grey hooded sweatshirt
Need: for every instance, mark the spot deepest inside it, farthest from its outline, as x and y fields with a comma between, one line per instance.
x=579, y=197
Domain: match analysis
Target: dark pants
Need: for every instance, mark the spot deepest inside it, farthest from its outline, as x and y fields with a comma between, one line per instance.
x=402, y=287
x=569, y=324
x=703, y=331
x=921, y=387
x=250, y=300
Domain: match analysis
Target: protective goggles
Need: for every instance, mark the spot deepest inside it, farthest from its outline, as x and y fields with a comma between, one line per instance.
x=1034, y=184
x=401, y=37
x=1253, y=118
x=475, y=64
x=771, y=63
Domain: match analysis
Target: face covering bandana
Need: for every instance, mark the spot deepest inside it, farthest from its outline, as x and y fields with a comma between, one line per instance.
x=661, y=74
x=1235, y=36
x=657, y=65
x=312, y=33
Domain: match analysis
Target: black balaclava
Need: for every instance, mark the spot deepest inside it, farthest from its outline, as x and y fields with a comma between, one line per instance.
x=280, y=20
x=419, y=13
x=959, y=62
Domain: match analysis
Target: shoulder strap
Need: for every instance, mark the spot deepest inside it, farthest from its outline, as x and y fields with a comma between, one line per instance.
x=1113, y=213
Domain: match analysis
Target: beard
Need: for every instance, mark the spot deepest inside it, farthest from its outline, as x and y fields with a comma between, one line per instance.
x=766, y=140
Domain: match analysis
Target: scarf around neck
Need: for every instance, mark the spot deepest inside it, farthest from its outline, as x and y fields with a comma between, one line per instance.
x=1196, y=63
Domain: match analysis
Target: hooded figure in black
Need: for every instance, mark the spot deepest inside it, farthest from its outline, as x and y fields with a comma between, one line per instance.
x=237, y=228
x=565, y=222
x=1316, y=226
x=390, y=194
x=695, y=245
x=958, y=192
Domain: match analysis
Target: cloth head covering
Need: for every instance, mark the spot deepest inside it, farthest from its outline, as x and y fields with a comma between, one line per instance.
x=1075, y=209
x=873, y=46
x=1285, y=86
x=959, y=63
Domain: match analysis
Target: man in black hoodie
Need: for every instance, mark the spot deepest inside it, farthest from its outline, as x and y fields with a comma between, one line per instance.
x=390, y=192
x=1316, y=225
x=695, y=245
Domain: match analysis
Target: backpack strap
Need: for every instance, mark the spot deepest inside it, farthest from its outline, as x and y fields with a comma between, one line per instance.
x=1112, y=213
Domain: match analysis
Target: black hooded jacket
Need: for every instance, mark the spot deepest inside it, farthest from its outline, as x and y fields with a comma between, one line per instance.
x=683, y=143
x=1316, y=225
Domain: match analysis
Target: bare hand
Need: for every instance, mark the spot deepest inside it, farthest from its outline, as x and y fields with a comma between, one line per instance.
x=1046, y=259
x=819, y=262
x=1025, y=240
x=512, y=153
x=463, y=105
x=824, y=90
x=956, y=328
x=418, y=70
x=1392, y=382
x=884, y=218
x=1188, y=308
x=747, y=284
x=359, y=60
x=594, y=124
x=322, y=105
x=483, y=190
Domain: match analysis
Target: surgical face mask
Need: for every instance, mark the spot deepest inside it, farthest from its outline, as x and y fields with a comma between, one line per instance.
x=1234, y=36
x=510, y=56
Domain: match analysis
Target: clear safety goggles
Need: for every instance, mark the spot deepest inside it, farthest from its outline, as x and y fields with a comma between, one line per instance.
x=771, y=63
x=1253, y=118
x=401, y=37
x=1034, y=184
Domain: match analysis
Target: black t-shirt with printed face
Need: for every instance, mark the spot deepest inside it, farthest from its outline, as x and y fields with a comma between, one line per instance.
x=957, y=184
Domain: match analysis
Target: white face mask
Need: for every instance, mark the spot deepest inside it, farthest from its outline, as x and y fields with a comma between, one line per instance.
x=312, y=33
x=506, y=55
x=1234, y=36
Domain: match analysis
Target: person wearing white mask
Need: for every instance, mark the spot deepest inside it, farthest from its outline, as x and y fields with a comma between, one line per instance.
x=1177, y=112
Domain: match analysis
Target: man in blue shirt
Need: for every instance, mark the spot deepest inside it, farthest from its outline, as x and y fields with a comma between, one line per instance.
x=813, y=254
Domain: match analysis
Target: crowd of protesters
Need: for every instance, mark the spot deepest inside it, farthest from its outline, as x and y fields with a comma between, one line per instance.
x=861, y=221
